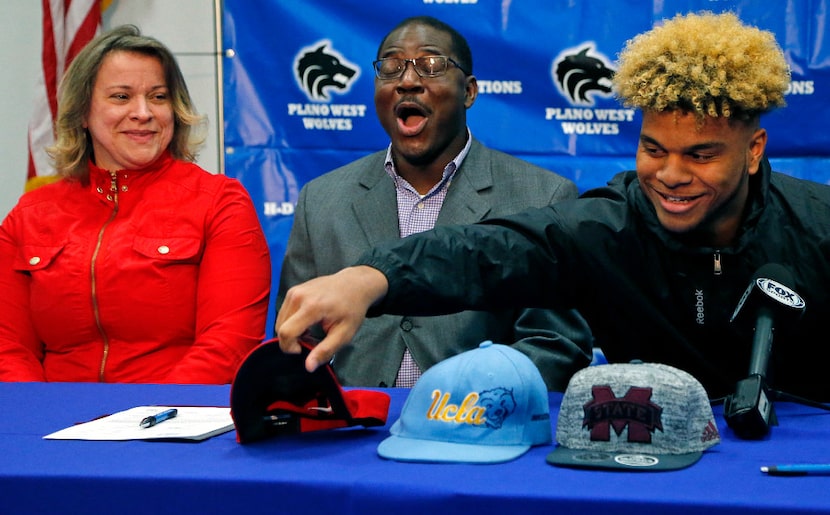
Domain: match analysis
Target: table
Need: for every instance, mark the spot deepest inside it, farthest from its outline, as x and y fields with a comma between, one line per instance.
x=339, y=471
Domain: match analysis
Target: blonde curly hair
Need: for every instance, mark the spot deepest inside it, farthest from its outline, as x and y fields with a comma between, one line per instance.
x=707, y=64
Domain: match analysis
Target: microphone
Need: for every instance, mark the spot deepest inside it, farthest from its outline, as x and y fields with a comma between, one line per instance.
x=773, y=304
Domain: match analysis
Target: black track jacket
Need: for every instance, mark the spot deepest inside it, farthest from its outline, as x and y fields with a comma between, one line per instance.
x=646, y=293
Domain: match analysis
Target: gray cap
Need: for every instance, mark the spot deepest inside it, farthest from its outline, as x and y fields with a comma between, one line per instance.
x=633, y=416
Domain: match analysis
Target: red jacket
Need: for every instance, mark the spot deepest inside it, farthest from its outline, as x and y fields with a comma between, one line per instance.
x=158, y=275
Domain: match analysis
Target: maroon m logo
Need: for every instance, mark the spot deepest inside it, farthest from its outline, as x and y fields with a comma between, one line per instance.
x=635, y=410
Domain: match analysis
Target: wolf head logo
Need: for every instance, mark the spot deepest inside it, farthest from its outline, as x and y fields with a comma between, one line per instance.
x=319, y=68
x=579, y=75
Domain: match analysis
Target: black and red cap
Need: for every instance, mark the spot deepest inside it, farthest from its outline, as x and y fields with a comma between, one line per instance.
x=273, y=394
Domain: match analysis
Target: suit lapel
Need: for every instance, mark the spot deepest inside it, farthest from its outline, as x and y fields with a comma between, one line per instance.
x=375, y=210
x=464, y=203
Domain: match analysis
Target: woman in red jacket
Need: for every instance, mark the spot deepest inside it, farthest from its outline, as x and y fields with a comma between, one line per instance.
x=138, y=265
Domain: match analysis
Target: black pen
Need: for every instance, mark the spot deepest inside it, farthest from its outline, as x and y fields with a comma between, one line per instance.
x=158, y=418
x=797, y=469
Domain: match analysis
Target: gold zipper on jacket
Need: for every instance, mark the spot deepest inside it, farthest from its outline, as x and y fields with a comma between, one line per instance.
x=717, y=265
x=112, y=196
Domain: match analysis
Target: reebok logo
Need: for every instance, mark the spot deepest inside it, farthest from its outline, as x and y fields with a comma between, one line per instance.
x=700, y=315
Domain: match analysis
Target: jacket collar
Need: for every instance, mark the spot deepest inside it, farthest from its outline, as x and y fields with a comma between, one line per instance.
x=756, y=202
x=102, y=181
x=164, y=160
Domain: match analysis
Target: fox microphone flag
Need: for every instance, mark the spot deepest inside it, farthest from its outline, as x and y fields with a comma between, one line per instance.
x=68, y=25
x=770, y=303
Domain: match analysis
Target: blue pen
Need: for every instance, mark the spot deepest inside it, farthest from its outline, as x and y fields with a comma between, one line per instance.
x=158, y=418
x=797, y=469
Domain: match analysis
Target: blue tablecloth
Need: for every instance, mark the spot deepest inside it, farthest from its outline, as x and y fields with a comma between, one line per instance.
x=339, y=471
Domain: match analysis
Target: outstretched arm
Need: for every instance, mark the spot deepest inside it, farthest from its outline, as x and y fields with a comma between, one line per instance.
x=338, y=302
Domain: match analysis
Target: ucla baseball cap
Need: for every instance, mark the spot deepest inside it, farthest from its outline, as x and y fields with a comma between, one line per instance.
x=633, y=416
x=273, y=394
x=485, y=405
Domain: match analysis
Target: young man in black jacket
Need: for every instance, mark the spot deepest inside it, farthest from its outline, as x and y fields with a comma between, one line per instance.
x=658, y=260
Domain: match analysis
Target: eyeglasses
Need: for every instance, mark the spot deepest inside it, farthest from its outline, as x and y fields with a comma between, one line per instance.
x=427, y=66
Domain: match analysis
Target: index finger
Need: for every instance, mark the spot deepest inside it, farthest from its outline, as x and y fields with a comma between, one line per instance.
x=290, y=326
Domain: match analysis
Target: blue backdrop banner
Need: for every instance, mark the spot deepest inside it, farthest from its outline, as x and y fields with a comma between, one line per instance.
x=298, y=86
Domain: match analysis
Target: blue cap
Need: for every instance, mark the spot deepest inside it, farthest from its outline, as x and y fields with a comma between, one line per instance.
x=485, y=405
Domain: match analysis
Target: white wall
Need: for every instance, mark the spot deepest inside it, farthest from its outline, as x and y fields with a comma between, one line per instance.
x=186, y=26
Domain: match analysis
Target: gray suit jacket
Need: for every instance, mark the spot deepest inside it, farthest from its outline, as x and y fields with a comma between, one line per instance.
x=343, y=213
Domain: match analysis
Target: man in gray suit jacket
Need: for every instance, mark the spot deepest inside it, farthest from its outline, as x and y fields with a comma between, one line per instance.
x=433, y=173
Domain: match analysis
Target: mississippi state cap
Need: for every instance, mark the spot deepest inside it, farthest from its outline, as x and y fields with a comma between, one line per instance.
x=485, y=405
x=273, y=394
x=633, y=416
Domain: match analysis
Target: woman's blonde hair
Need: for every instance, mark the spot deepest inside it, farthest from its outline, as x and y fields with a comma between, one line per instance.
x=73, y=148
x=707, y=64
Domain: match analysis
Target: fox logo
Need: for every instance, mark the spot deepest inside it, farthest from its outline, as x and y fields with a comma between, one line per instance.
x=578, y=75
x=319, y=68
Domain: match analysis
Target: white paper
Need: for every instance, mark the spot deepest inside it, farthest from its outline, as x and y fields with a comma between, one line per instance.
x=191, y=423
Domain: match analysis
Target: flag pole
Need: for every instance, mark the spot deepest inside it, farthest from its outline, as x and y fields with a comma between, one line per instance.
x=220, y=92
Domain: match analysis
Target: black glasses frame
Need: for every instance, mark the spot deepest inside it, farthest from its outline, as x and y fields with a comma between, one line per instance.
x=419, y=68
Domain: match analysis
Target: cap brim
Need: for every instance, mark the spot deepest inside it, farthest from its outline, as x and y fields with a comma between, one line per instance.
x=589, y=459
x=409, y=449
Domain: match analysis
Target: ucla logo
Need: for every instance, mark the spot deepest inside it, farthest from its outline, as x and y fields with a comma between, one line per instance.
x=581, y=74
x=319, y=69
x=489, y=408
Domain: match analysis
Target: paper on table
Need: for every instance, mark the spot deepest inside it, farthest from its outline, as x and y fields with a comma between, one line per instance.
x=191, y=423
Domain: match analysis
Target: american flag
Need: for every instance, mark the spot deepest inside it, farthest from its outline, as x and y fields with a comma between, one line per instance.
x=68, y=25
